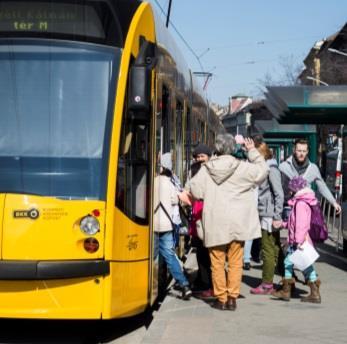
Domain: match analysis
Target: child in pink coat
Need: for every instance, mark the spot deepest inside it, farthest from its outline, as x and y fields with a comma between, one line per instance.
x=298, y=226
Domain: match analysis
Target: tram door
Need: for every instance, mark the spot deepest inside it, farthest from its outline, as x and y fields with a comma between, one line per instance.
x=161, y=143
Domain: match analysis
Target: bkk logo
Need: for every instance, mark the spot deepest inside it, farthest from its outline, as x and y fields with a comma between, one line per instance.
x=32, y=214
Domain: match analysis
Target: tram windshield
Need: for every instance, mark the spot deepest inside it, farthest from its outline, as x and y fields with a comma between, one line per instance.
x=56, y=105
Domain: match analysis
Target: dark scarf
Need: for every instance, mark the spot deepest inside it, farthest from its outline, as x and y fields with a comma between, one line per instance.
x=301, y=168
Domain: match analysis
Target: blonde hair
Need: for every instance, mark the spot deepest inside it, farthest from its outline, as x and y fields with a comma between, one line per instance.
x=264, y=150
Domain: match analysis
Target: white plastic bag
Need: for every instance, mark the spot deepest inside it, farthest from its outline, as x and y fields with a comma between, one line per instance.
x=305, y=256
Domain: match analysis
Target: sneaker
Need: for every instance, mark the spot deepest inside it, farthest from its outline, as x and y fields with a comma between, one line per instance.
x=177, y=286
x=186, y=292
x=263, y=289
x=247, y=266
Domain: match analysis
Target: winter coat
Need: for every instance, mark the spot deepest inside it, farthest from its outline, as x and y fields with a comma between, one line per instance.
x=270, y=193
x=166, y=194
x=226, y=185
x=312, y=175
x=299, y=220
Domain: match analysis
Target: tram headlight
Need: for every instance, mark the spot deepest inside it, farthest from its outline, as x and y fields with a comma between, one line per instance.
x=89, y=225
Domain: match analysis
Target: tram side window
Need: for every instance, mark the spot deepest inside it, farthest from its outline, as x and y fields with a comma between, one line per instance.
x=202, y=130
x=133, y=172
x=166, y=120
x=179, y=139
x=187, y=140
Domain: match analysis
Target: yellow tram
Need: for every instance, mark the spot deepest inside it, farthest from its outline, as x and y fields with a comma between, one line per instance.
x=90, y=93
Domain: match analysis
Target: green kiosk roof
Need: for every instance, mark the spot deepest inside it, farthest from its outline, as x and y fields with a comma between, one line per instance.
x=308, y=104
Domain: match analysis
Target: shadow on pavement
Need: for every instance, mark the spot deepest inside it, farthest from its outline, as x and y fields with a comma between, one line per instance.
x=329, y=256
x=74, y=331
x=253, y=282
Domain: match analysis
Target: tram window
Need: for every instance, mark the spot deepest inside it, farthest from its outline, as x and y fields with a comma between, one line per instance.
x=211, y=138
x=179, y=139
x=166, y=119
x=132, y=177
x=199, y=132
x=202, y=131
x=56, y=108
x=188, y=140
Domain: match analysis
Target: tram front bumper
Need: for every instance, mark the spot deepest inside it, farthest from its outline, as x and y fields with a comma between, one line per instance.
x=45, y=270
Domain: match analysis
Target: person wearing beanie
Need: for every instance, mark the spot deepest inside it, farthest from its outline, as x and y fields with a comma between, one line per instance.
x=298, y=225
x=203, y=284
x=202, y=153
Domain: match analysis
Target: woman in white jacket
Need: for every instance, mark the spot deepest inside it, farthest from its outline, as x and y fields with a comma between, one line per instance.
x=166, y=199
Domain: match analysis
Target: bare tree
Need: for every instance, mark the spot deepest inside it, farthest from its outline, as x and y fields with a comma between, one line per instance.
x=290, y=70
x=284, y=74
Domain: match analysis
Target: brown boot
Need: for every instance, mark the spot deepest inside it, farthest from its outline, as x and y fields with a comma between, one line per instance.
x=231, y=304
x=314, y=296
x=292, y=290
x=285, y=292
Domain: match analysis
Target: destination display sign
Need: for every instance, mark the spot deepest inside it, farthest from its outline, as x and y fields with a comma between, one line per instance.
x=70, y=18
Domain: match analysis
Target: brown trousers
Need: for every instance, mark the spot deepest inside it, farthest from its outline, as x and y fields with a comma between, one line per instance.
x=227, y=283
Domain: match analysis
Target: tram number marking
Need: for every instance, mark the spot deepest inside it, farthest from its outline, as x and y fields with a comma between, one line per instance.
x=132, y=243
x=32, y=214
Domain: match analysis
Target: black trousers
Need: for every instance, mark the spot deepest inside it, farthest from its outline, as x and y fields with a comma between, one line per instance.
x=204, y=279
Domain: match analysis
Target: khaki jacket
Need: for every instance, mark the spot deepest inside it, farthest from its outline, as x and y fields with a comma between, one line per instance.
x=226, y=185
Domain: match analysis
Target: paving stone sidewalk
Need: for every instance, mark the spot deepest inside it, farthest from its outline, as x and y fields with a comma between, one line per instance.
x=260, y=319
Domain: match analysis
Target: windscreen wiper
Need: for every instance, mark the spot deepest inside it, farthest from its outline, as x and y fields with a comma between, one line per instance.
x=20, y=193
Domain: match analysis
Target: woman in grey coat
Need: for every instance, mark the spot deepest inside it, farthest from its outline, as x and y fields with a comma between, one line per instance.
x=270, y=207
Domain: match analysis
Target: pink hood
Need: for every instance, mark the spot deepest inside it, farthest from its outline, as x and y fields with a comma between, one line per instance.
x=306, y=195
x=300, y=217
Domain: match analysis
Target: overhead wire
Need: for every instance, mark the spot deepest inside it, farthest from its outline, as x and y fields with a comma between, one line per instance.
x=262, y=42
x=181, y=36
x=251, y=62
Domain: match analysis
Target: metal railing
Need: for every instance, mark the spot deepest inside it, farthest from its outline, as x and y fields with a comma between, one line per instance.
x=334, y=223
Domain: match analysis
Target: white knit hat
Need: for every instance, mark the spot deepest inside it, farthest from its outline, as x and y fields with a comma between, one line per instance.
x=166, y=161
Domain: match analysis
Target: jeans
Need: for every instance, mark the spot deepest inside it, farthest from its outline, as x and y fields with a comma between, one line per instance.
x=167, y=251
x=247, y=251
x=309, y=273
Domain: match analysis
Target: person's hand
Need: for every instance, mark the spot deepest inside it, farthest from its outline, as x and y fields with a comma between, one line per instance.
x=306, y=239
x=249, y=144
x=277, y=224
x=185, y=197
x=337, y=208
x=239, y=139
x=300, y=247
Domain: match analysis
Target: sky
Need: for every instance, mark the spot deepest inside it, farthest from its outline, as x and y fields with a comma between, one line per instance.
x=241, y=41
